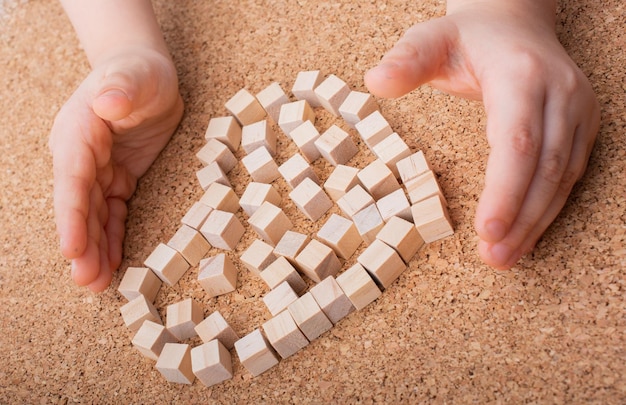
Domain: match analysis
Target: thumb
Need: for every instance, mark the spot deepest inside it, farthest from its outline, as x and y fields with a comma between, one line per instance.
x=113, y=100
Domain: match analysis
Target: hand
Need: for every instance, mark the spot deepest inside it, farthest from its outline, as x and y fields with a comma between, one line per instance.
x=543, y=115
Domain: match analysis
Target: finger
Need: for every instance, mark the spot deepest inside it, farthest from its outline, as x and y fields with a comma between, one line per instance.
x=105, y=274
x=86, y=268
x=115, y=230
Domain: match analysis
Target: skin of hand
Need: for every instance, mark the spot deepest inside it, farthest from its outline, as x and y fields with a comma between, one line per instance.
x=543, y=116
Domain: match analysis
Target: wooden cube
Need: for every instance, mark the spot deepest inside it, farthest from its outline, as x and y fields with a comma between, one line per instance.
x=412, y=166
x=256, y=194
x=222, y=229
x=331, y=93
x=402, y=236
x=373, y=128
x=150, y=339
x=139, y=281
x=270, y=223
x=272, y=98
x=378, y=179
x=258, y=256
x=304, y=136
x=182, y=318
x=317, y=261
x=284, y=335
x=167, y=264
x=261, y=166
x=245, y=107
x=295, y=169
x=279, y=298
x=431, y=219
x=221, y=197
x=395, y=204
x=174, y=363
x=196, y=215
x=341, y=235
x=281, y=270
x=336, y=146
x=258, y=134
x=210, y=174
x=423, y=187
x=309, y=316
x=391, y=150
x=226, y=130
x=216, y=327
x=255, y=353
x=292, y=115
x=342, y=179
x=382, y=262
x=190, y=244
x=290, y=245
x=331, y=299
x=368, y=222
x=138, y=310
x=354, y=201
x=215, y=151
x=357, y=106
x=217, y=275
x=304, y=86
x=310, y=199
x=212, y=363
x=358, y=286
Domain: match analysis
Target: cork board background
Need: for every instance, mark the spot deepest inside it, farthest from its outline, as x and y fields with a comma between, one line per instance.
x=552, y=330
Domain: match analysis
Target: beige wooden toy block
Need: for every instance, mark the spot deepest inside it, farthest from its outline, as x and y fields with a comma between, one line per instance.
x=270, y=223
x=412, y=166
x=182, y=318
x=431, y=219
x=336, y=146
x=167, y=264
x=382, y=262
x=258, y=134
x=309, y=316
x=290, y=245
x=174, y=363
x=331, y=93
x=304, y=86
x=138, y=310
x=255, y=353
x=222, y=229
x=423, y=187
x=139, y=281
x=216, y=327
x=256, y=194
x=272, y=98
x=279, y=298
x=221, y=197
x=258, y=256
x=295, y=169
x=309, y=197
x=226, y=130
x=196, y=215
x=190, y=244
x=304, y=136
x=284, y=335
x=294, y=114
x=373, y=128
x=215, y=151
x=217, y=275
x=395, y=204
x=342, y=179
x=210, y=174
x=378, y=179
x=211, y=363
x=341, y=235
x=354, y=201
x=331, y=299
x=368, y=222
x=245, y=107
x=358, y=286
x=391, y=150
x=281, y=270
x=150, y=339
x=317, y=261
x=402, y=236
x=357, y=106
x=261, y=166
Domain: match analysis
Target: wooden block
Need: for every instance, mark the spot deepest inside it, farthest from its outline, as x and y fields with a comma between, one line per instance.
x=336, y=146
x=279, y=298
x=216, y=327
x=431, y=219
x=391, y=150
x=284, y=335
x=281, y=270
x=304, y=136
x=357, y=106
x=245, y=107
x=331, y=93
x=354, y=201
x=342, y=179
x=290, y=245
x=373, y=128
x=272, y=98
x=341, y=235
x=304, y=86
x=402, y=236
x=174, y=363
x=395, y=204
x=378, y=179
x=295, y=169
x=311, y=199
x=256, y=194
x=150, y=339
x=210, y=174
x=226, y=130
x=412, y=166
x=358, y=286
x=382, y=262
x=261, y=166
x=258, y=256
x=294, y=114
x=167, y=264
x=309, y=316
x=368, y=222
x=211, y=363
x=222, y=229
x=317, y=261
x=190, y=244
x=258, y=134
x=423, y=187
x=270, y=223
x=221, y=197
x=182, y=318
x=196, y=215
x=255, y=353
x=217, y=275
x=331, y=299
x=215, y=151
x=138, y=310
x=139, y=281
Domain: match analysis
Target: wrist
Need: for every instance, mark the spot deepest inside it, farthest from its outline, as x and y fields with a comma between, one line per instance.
x=541, y=10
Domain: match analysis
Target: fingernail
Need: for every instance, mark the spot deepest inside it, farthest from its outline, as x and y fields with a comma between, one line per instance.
x=386, y=69
x=496, y=230
x=113, y=93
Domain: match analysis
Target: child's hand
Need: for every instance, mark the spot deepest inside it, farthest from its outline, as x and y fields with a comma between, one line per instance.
x=104, y=138
x=543, y=115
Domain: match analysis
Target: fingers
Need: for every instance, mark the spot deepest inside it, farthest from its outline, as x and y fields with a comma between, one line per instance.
x=115, y=230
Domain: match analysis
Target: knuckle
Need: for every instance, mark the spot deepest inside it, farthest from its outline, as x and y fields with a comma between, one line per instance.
x=552, y=167
x=528, y=64
x=525, y=143
x=570, y=177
